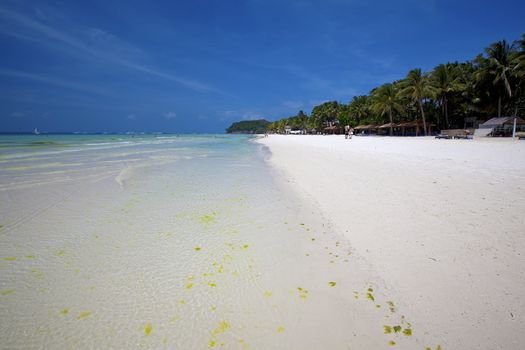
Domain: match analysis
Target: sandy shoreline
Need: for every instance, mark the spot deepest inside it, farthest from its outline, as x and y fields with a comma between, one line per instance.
x=178, y=243
x=440, y=221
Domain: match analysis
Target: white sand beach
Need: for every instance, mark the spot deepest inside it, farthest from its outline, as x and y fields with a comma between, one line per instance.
x=177, y=243
x=441, y=222
x=197, y=242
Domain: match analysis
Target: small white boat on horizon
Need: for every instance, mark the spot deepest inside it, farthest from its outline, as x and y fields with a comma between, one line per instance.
x=36, y=132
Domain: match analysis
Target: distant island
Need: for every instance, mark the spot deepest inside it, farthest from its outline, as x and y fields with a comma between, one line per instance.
x=249, y=127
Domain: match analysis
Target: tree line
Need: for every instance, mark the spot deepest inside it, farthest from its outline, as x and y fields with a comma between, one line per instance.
x=248, y=127
x=492, y=84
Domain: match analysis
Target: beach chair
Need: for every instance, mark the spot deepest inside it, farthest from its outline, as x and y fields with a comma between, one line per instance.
x=443, y=136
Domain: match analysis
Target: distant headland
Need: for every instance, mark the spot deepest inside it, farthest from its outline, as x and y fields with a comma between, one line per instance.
x=249, y=127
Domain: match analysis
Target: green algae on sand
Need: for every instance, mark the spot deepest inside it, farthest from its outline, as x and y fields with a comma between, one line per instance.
x=207, y=219
x=148, y=329
x=83, y=315
x=221, y=328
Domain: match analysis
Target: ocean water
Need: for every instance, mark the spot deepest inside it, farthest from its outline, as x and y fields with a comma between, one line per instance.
x=175, y=242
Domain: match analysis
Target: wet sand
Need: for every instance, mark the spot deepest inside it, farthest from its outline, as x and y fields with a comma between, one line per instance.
x=188, y=244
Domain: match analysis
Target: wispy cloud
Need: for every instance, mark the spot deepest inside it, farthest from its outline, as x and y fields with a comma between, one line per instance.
x=170, y=115
x=240, y=114
x=382, y=61
x=18, y=114
x=94, y=42
x=293, y=104
x=56, y=82
x=132, y=116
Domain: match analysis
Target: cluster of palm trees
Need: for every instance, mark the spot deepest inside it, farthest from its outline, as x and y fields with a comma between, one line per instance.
x=489, y=85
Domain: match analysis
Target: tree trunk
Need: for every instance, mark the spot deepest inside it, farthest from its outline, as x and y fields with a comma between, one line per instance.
x=391, y=127
x=499, y=106
x=441, y=105
x=446, y=114
x=423, y=115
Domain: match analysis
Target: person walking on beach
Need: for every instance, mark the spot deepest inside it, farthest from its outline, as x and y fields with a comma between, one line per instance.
x=350, y=133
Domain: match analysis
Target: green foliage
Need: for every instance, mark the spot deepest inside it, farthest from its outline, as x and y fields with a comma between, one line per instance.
x=325, y=113
x=386, y=100
x=416, y=86
x=445, y=80
x=359, y=109
x=499, y=67
x=493, y=82
x=249, y=127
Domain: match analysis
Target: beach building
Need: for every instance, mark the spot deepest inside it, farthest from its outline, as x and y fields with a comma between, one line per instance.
x=415, y=128
x=332, y=130
x=365, y=130
x=332, y=126
x=385, y=129
x=412, y=128
x=500, y=126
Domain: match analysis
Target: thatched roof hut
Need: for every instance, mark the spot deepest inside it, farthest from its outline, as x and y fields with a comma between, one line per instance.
x=415, y=127
x=365, y=127
x=501, y=121
x=500, y=126
x=385, y=129
x=387, y=126
x=332, y=130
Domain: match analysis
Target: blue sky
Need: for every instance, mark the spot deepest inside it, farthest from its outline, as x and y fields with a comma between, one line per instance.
x=197, y=66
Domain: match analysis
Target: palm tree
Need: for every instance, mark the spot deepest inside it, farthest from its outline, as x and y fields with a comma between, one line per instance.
x=499, y=68
x=519, y=58
x=359, y=108
x=385, y=99
x=468, y=98
x=417, y=87
x=518, y=73
x=445, y=81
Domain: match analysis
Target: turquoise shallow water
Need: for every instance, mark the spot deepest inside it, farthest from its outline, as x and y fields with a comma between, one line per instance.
x=185, y=242
x=23, y=157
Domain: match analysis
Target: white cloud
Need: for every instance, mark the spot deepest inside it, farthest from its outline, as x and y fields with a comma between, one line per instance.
x=293, y=104
x=18, y=114
x=95, y=42
x=243, y=115
x=53, y=81
x=251, y=116
x=170, y=115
